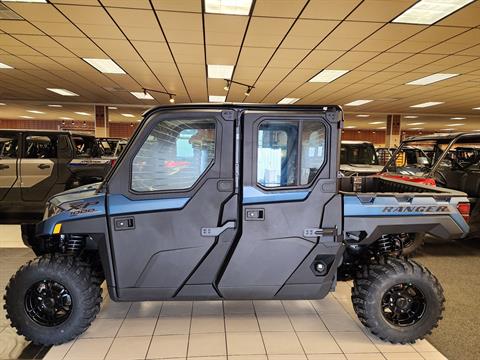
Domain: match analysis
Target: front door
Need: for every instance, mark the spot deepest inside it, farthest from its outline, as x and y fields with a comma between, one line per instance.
x=8, y=162
x=171, y=205
x=39, y=166
x=291, y=207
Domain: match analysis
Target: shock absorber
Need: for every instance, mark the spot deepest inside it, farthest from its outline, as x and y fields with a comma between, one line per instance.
x=385, y=245
x=73, y=243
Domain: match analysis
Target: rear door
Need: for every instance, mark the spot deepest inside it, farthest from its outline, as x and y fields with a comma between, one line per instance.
x=38, y=166
x=172, y=206
x=291, y=208
x=9, y=148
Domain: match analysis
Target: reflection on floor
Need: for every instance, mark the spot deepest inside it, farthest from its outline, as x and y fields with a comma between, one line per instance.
x=216, y=330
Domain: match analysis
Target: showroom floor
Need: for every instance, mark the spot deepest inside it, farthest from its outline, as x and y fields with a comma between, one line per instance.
x=240, y=330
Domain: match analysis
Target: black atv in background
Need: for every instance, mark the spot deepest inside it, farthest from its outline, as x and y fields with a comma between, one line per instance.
x=35, y=165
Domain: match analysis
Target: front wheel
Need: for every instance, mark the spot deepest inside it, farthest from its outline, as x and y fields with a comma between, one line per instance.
x=398, y=300
x=53, y=299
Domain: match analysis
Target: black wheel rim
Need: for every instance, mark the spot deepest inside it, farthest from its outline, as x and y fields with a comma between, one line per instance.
x=48, y=303
x=403, y=305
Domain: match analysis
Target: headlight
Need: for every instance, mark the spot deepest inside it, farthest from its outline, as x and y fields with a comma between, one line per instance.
x=51, y=210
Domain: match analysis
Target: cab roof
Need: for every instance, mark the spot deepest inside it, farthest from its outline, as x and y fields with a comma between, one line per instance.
x=460, y=137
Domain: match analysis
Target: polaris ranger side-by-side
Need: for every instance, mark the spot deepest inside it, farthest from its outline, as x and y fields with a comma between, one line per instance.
x=234, y=201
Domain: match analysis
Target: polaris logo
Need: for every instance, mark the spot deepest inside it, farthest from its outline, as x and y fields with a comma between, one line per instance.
x=425, y=209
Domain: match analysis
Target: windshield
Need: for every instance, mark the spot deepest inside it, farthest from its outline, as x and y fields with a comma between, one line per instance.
x=85, y=146
x=362, y=153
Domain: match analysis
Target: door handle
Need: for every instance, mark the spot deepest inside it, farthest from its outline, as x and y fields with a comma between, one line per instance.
x=3, y=166
x=44, y=166
x=216, y=231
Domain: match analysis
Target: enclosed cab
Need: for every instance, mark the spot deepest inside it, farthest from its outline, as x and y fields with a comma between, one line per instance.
x=358, y=158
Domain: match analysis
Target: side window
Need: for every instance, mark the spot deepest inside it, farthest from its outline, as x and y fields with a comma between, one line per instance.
x=40, y=147
x=174, y=156
x=289, y=153
x=8, y=146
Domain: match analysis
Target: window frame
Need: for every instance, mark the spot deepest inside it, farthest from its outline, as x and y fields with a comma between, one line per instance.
x=203, y=175
x=17, y=137
x=300, y=121
x=53, y=138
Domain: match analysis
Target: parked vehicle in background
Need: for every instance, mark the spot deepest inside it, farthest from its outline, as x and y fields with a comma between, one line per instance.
x=109, y=145
x=452, y=161
x=252, y=208
x=35, y=164
x=358, y=158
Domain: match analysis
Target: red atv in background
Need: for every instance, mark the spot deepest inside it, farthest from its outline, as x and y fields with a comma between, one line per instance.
x=445, y=160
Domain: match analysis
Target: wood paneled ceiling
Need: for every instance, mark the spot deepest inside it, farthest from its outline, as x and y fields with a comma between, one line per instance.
x=166, y=45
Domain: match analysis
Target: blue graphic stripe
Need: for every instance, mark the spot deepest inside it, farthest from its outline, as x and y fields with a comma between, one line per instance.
x=252, y=195
x=119, y=204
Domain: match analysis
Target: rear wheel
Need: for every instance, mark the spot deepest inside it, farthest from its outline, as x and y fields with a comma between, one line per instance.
x=53, y=299
x=398, y=300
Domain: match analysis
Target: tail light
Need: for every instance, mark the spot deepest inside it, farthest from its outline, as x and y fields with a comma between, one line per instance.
x=112, y=162
x=464, y=210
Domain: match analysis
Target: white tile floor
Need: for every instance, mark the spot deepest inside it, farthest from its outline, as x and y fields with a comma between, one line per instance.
x=236, y=330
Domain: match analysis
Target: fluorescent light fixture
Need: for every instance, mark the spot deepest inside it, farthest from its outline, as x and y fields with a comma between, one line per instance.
x=2, y=104
x=415, y=128
x=63, y=92
x=229, y=7
x=447, y=129
x=363, y=115
x=82, y=113
x=411, y=117
x=106, y=66
x=431, y=79
x=358, y=102
x=141, y=95
x=350, y=127
x=326, y=76
x=216, y=98
x=220, y=71
x=113, y=107
x=35, y=112
x=27, y=117
x=376, y=122
x=477, y=108
x=455, y=124
x=55, y=106
x=381, y=128
x=427, y=104
x=416, y=123
x=427, y=12
x=288, y=100
x=457, y=118
x=128, y=115
x=5, y=66
x=65, y=118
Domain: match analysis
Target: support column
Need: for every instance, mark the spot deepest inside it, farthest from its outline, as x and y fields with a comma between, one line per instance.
x=101, y=121
x=393, y=134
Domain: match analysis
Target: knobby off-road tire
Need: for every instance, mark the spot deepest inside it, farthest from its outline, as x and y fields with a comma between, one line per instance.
x=415, y=243
x=374, y=289
x=66, y=278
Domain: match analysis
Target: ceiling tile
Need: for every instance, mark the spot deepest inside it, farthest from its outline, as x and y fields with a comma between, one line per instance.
x=348, y=34
x=131, y=4
x=323, y=9
x=267, y=32
x=58, y=29
x=182, y=27
x=276, y=8
x=175, y=5
x=222, y=54
x=153, y=51
x=18, y=27
x=319, y=59
x=307, y=34
x=224, y=29
x=380, y=10
x=37, y=12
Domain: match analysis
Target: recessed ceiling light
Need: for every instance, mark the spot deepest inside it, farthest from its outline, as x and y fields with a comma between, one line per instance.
x=288, y=100
x=27, y=117
x=447, y=129
x=326, y=76
x=216, y=98
x=230, y=7
x=55, y=106
x=363, y=115
x=3, y=104
x=128, y=115
x=82, y=113
x=220, y=71
x=106, y=66
x=358, y=102
x=477, y=108
x=382, y=128
x=376, y=122
x=455, y=124
x=350, y=127
x=427, y=104
x=431, y=79
x=113, y=107
x=5, y=66
x=427, y=12
x=142, y=95
x=411, y=117
x=65, y=118
x=35, y=112
x=416, y=123
x=457, y=118
x=63, y=92
x=415, y=128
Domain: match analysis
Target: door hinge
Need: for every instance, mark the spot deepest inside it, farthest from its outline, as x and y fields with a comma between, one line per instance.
x=319, y=232
x=216, y=231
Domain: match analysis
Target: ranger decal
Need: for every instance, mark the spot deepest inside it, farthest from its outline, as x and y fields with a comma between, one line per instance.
x=425, y=209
